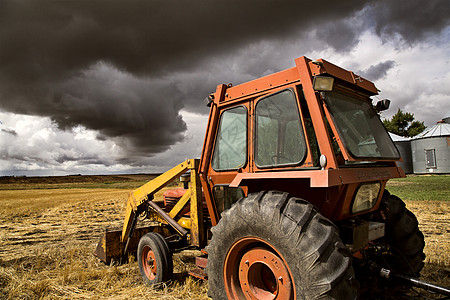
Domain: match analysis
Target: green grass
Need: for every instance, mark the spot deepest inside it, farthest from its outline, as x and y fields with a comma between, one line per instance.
x=421, y=187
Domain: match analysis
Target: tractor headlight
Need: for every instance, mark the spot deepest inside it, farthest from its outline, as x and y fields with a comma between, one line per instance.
x=323, y=83
x=366, y=197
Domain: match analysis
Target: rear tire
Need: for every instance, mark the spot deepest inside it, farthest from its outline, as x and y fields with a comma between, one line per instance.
x=273, y=246
x=154, y=259
x=403, y=236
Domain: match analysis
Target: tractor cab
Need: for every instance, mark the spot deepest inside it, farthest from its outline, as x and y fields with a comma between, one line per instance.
x=303, y=127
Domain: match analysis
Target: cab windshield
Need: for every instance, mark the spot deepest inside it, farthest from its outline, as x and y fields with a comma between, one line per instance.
x=359, y=127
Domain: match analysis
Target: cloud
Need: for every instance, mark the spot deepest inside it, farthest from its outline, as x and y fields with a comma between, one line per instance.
x=39, y=144
x=39, y=147
x=128, y=72
x=413, y=20
x=375, y=72
x=341, y=35
x=143, y=112
x=417, y=80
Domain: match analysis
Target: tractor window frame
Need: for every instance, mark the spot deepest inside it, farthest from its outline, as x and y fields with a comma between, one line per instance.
x=301, y=138
x=216, y=167
x=359, y=137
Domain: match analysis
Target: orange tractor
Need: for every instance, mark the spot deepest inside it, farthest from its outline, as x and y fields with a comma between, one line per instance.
x=288, y=200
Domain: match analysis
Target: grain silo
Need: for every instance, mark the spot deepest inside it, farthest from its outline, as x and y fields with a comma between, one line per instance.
x=431, y=149
x=403, y=145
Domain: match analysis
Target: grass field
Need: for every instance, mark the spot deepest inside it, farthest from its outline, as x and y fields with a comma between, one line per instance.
x=423, y=187
x=49, y=228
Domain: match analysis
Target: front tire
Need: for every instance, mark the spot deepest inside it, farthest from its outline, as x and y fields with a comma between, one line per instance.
x=154, y=259
x=274, y=246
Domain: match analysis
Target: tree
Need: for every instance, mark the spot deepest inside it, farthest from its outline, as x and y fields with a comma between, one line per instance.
x=403, y=124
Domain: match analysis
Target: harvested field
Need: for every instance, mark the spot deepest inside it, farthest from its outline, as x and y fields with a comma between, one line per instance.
x=434, y=222
x=47, y=237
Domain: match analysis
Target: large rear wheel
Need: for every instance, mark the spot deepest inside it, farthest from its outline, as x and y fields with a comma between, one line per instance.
x=403, y=236
x=273, y=246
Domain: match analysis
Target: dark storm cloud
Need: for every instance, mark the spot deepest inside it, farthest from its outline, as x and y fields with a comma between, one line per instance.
x=340, y=35
x=114, y=66
x=120, y=105
x=141, y=36
x=411, y=19
x=378, y=71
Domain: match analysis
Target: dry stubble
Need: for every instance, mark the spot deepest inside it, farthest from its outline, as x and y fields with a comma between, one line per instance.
x=48, y=236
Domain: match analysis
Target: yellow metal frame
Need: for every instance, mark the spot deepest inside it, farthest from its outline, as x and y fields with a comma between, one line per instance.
x=145, y=193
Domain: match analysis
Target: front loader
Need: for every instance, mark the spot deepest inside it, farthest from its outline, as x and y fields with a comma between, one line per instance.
x=115, y=245
x=288, y=200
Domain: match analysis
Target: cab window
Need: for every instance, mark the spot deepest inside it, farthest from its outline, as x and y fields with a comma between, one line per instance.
x=226, y=196
x=230, y=150
x=279, y=133
x=360, y=127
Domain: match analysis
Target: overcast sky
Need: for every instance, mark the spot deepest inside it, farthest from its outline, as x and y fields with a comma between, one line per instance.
x=99, y=87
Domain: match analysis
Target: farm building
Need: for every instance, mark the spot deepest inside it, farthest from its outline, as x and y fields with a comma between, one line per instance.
x=431, y=149
x=404, y=148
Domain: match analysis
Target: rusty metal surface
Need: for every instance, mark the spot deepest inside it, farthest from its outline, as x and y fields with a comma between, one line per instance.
x=198, y=273
x=201, y=262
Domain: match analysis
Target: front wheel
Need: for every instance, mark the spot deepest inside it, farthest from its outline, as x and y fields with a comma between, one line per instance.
x=274, y=246
x=154, y=259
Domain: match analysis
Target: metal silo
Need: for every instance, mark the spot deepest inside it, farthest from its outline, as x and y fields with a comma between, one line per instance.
x=431, y=149
x=404, y=147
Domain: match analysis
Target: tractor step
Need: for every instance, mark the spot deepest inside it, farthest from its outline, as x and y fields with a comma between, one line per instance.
x=199, y=273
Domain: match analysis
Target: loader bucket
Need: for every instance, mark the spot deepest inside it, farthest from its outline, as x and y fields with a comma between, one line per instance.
x=110, y=248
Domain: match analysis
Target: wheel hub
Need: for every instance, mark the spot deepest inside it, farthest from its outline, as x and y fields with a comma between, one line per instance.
x=255, y=270
x=263, y=275
x=148, y=263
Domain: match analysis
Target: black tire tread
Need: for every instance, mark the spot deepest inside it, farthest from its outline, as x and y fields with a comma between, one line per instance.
x=404, y=235
x=162, y=254
x=167, y=256
x=296, y=228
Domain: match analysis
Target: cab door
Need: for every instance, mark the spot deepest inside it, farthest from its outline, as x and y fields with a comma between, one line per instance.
x=230, y=155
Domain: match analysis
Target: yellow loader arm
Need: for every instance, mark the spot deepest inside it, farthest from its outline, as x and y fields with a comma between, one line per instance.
x=110, y=246
x=141, y=195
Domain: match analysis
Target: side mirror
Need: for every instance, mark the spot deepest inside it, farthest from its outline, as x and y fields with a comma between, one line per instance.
x=209, y=100
x=382, y=105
